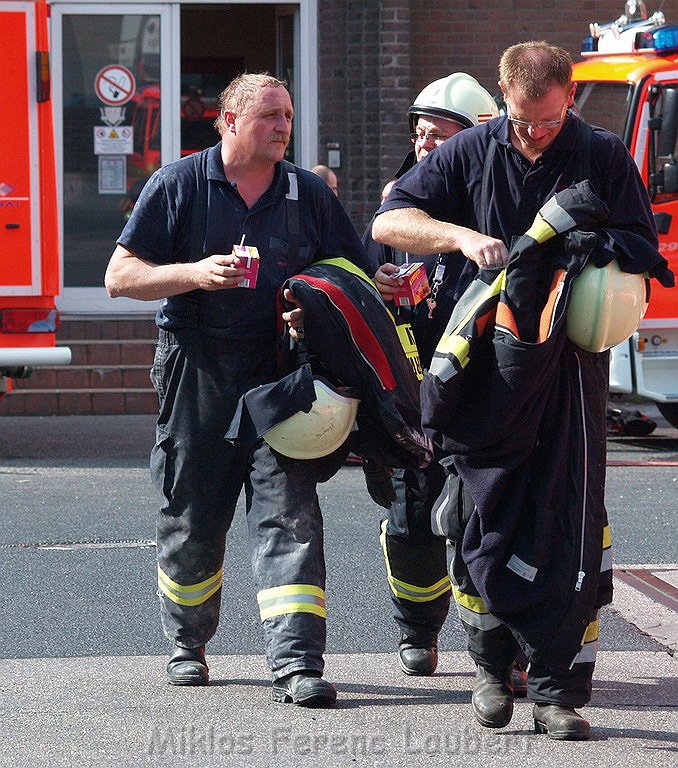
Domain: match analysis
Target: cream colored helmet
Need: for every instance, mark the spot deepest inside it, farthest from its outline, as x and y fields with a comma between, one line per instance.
x=606, y=306
x=320, y=431
x=457, y=97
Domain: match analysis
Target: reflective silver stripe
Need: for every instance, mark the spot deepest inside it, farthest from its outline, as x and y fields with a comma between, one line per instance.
x=439, y=507
x=472, y=610
x=452, y=345
x=589, y=643
x=606, y=560
x=483, y=621
x=291, y=598
x=587, y=655
x=556, y=216
x=293, y=193
x=420, y=594
x=585, y=476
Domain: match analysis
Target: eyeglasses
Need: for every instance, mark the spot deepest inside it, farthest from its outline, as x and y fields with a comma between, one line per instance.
x=422, y=138
x=544, y=125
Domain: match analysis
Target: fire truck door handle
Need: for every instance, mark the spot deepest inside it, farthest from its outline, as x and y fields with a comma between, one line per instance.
x=12, y=226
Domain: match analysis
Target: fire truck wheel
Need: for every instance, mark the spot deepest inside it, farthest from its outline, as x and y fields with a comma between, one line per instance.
x=670, y=412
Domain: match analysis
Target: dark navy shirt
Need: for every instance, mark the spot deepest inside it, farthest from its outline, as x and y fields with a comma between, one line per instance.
x=447, y=183
x=159, y=231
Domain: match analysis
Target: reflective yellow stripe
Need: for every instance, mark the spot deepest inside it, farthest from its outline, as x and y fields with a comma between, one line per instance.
x=291, y=598
x=190, y=594
x=541, y=230
x=349, y=267
x=405, y=591
x=454, y=345
x=472, y=610
x=409, y=345
x=606, y=559
x=494, y=289
x=472, y=602
x=415, y=594
x=589, y=645
x=592, y=632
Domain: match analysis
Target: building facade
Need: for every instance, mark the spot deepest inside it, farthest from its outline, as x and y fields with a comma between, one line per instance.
x=134, y=86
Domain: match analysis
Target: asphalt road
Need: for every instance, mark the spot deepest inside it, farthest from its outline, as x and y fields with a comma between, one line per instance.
x=77, y=552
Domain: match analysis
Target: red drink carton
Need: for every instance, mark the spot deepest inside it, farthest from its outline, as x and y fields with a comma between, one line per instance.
x=249, y=260
x=415, y=285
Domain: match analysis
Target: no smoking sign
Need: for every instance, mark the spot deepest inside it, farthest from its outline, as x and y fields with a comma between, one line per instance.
x=114, y=85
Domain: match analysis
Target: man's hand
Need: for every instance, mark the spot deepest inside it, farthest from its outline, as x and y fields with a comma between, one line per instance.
x=379, y=483
x=218, y=272
x=294, y=317
x=487, y=252
x=386, y=285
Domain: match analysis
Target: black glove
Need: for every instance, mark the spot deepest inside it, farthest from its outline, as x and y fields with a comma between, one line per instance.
x=379, y=485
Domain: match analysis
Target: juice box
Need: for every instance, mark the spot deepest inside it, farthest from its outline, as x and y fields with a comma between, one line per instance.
x=249, y=260
x=415, y=285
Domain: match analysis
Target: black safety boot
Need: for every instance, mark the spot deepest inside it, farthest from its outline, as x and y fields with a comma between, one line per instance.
x=187, y=666
x=519, y=681
x=418, y=654
x=492, y=698
x=561, y=723
x=305, y=689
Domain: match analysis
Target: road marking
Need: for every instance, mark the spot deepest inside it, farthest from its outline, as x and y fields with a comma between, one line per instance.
x=73, y=545
x=642, y=463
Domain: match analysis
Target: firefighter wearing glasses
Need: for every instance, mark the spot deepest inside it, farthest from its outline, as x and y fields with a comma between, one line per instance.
x=475, y=194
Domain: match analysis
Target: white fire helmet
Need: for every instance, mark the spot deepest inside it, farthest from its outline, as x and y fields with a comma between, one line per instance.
x=457, y=97
x=320, y=431
x=606, y=306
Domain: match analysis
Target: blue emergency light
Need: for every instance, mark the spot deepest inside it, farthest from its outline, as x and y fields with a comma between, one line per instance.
x=661, y=41
x=665, y=39
x=589, y=44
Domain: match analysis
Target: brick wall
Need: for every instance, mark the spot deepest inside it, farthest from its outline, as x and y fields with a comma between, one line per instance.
x=376, y=56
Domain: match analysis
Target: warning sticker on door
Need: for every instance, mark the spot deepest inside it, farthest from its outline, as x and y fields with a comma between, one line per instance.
x=113, y=140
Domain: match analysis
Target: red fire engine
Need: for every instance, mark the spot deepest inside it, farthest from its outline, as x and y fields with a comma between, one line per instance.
x=29, y=252
x=628, y=83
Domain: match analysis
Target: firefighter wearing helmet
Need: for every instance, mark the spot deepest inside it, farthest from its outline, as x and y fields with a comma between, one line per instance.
x=457, y=97
x=415, y=558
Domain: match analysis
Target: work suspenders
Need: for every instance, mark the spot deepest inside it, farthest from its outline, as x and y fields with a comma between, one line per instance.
x=196, y=248
x=582, y=148
x=441, y=263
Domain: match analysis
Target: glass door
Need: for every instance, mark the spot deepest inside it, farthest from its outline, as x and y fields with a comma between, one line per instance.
x=135, y=85
x=113, y=109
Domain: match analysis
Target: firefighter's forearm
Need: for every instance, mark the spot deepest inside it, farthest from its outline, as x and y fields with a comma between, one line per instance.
x=414, y=231
x=134, y=278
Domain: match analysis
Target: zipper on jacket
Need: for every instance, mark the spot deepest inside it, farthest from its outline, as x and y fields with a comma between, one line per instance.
x=581, y=574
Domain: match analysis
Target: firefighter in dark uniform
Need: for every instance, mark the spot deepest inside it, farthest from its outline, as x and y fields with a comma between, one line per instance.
x=217, y=340
x=415, y=558
x=476, y=193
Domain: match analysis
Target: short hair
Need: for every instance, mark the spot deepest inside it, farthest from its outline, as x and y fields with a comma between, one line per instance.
x=324, y=172
x=533, y=67
x=239, y=93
